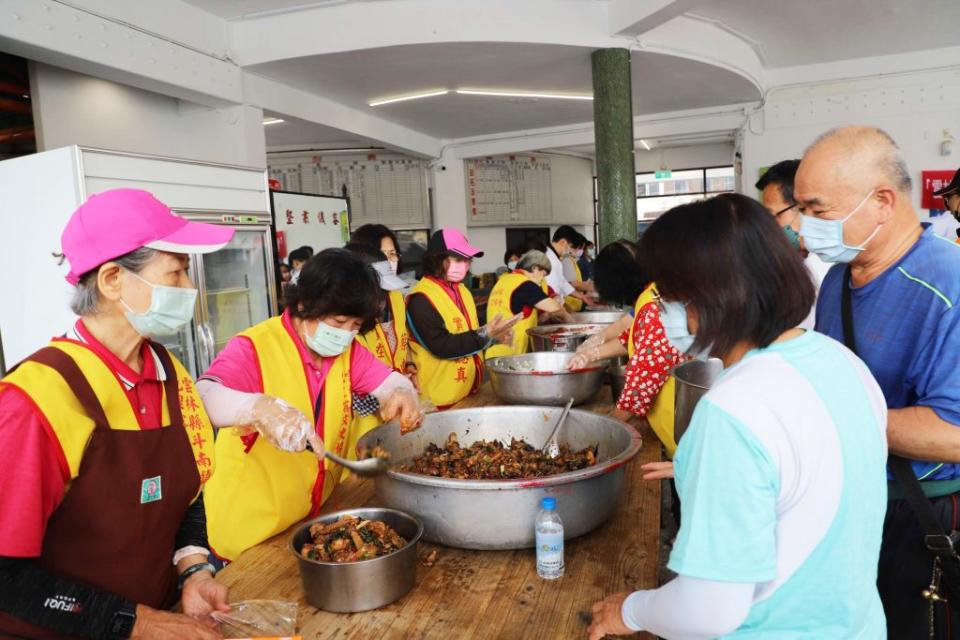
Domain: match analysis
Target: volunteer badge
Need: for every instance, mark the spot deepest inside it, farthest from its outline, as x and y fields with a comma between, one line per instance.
x=150, y=490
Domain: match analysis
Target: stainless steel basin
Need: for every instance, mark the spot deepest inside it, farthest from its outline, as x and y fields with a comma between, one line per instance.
x=499, y=514
x=542, y=378
x=561, y=337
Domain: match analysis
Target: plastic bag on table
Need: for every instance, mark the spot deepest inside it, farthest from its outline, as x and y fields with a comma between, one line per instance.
x=258, y=619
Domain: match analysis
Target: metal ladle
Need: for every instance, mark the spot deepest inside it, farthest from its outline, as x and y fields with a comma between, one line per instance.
x=372, y=466
x=551, y=448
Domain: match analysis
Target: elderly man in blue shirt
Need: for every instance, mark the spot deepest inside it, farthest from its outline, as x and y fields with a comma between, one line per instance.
x=902, y=287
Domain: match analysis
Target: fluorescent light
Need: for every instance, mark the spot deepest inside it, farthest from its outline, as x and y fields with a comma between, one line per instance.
x=643, y=143
x=414, y=96
x=524, y=94
x=267, y=121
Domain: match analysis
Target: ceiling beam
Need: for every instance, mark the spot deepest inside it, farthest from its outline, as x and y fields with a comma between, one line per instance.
x=635, y=17
x=283, y=99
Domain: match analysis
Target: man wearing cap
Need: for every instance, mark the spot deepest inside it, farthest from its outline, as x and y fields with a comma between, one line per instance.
x=105, y=445
x=447, y=340
x=951, y=198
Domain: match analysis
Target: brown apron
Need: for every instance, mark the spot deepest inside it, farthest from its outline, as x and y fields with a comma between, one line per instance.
x=114, y=529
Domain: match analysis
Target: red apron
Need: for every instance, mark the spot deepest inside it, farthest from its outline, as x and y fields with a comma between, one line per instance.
x=111, y=530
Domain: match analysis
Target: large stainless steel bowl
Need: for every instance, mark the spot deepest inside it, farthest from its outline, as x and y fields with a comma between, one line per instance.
x=561, y=337
x=499, y=514
x=618, y=380
x=345, y=587
x=596, y=317
x=542, y=378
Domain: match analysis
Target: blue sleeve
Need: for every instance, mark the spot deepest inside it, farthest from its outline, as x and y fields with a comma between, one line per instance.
x=728, y=486
x=936, y=377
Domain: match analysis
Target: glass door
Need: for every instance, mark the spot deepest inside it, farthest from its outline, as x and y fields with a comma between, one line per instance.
x=237, y=288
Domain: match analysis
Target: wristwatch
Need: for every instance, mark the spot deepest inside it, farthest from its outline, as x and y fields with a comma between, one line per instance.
x=121, y=625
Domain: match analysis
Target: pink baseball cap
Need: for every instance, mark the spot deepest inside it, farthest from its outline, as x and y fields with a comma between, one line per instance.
x=452, y=241
x=113, y=223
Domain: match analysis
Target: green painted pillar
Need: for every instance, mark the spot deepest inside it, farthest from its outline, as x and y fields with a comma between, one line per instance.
x=613, y=131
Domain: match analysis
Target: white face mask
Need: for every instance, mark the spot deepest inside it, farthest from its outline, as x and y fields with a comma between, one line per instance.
x=394, y=265
x=330, y=341
x=170, y=309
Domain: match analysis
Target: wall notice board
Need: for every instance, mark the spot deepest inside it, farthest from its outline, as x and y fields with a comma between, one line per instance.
x=509, y=188
x=302, y=219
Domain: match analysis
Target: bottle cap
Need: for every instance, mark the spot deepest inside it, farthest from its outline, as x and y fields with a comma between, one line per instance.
x=548, y=503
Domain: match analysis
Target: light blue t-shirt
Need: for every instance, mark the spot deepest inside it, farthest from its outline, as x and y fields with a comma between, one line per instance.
x=782, y=483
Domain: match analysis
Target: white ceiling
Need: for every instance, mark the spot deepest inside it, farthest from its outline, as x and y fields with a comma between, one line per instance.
x=234, y=9
x=788, y=33
x=293, y=131
x=660, y=83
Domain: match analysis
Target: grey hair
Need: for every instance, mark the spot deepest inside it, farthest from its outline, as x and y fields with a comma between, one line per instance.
x=534, y=260
x=889, y=158
x=86, y=297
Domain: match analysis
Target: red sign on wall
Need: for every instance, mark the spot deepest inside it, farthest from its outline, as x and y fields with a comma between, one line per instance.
x=281, y=244
x=934, y=181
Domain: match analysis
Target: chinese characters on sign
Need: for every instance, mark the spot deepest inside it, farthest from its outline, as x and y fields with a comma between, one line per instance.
x=934, y=181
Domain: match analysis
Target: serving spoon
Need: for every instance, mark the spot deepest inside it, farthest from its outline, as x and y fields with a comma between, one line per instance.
x=551, y=448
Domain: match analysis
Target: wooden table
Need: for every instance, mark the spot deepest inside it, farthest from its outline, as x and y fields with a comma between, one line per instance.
x=482, y=594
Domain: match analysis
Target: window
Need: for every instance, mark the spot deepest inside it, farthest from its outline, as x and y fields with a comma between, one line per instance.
x=413, y=244
x=656, y=196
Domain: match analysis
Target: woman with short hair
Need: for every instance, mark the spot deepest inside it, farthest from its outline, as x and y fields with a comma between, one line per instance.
x=380, y=237
x=297, y=372
x=782, y=471
x=523, y=291
x=105, y=446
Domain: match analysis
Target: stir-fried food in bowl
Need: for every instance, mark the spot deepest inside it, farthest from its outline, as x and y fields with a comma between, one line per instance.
x=351, y=539
x=492, y=460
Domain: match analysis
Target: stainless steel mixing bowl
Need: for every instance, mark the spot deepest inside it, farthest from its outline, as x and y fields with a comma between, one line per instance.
x=345, y=587
x=542, y=378
x=596, y=317
x=561, y=337
x=499, y=514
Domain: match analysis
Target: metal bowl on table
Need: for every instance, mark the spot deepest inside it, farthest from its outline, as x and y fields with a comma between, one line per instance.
x=561, y=337
x=542, y=378
x=596, y=317
x=499, y=514
x=345, y=587
x=618, y=379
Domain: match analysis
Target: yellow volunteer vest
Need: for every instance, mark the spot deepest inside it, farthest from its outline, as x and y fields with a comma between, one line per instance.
x=258, y=493
x=499, y=304
x=661, y=413
x=575, y=304
x=446, y=382
x=376, y=342
x=70, y=423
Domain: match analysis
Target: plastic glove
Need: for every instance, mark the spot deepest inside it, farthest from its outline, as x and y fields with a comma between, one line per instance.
x=590, y=343
x=284, y=426
x=404, y=405
x=579, y=361
x=499, y=328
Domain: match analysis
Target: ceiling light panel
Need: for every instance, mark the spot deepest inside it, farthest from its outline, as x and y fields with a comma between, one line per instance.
x=412, y=96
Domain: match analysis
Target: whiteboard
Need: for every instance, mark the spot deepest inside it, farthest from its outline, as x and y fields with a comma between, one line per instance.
x=319, y=222
x=509, y=188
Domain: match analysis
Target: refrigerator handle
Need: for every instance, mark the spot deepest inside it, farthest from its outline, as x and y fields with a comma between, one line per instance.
x=209, y=345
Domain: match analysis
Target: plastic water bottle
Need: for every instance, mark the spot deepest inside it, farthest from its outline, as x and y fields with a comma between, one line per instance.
x=549, y=530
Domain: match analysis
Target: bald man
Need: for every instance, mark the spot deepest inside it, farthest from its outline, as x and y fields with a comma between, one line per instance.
x=853, y=190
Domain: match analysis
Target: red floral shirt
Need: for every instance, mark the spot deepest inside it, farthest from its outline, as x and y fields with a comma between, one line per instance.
x=653, y=360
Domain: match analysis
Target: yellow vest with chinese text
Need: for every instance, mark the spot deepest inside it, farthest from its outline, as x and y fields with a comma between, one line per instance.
x=259, y=490
x=446, y=382
x=499, y=304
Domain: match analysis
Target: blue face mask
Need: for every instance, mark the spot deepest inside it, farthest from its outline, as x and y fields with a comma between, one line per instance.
x=792, y=236
x=512, y=265
x=170, y=309
x=330, y=341
x=673, y=317
x=825, y=237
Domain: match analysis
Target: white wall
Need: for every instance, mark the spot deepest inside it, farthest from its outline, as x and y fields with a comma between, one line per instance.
x=914, y=109
x=687, y=157
x=71, y=108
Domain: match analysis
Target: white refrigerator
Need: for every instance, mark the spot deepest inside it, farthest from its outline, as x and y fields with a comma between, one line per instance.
x=39, y=192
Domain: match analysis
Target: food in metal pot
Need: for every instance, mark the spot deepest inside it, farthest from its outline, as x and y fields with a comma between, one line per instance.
x=363, y=453
x=351, y=539
x=562, y=333
x=492, y=460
